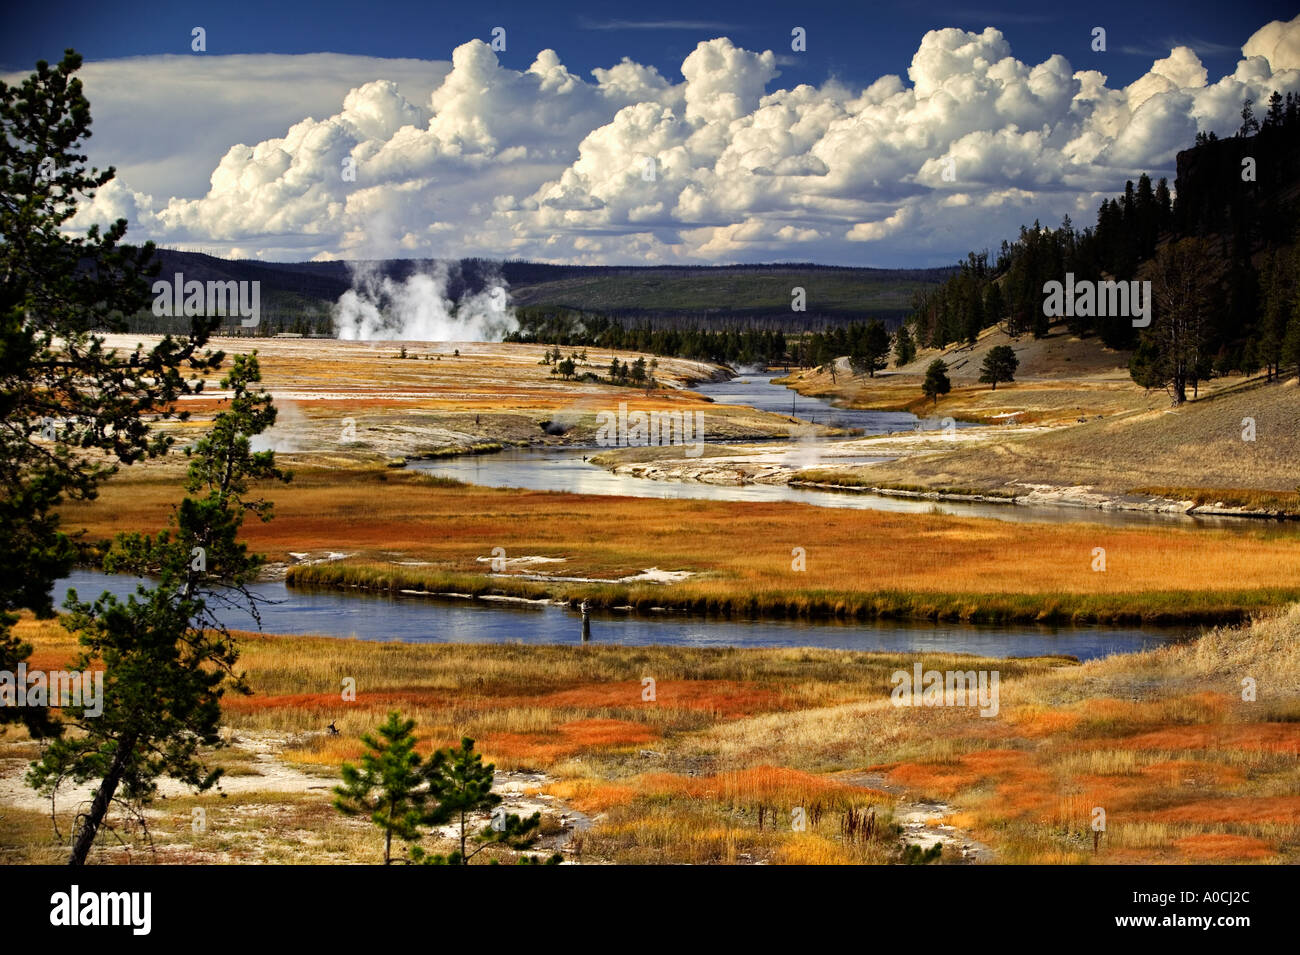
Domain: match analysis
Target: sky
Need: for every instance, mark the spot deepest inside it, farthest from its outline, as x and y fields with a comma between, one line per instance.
x=901, y=134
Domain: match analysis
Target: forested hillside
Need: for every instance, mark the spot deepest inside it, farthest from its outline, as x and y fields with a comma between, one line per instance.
x=1222, y=256
x=297, y=297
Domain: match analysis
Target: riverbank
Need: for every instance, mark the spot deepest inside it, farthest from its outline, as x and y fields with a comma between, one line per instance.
x=1074, y=430
x=1191, y=502
x=1151, y=608
x=712, y=765
x=973, y=465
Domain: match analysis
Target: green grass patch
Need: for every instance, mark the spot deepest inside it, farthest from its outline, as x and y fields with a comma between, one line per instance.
x=1281, y=503
x=456, y=450
x=852, y=479
x=710, y=597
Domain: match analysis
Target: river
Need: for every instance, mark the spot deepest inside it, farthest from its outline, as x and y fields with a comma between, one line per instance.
x=419, y=619
x=567, y=469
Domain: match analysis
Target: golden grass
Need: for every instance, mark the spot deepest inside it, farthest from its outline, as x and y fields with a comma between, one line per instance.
x=812, y=849
x=436, y=402
x=1243, y=809
x=1194, y=452
x=569, y=738
x=859, y=563
x=592, y=796
x=721, y=698
x=1250, y=499
x=1105, y=432
x=1272, y=737
x=763, y=786
x=1185, y=769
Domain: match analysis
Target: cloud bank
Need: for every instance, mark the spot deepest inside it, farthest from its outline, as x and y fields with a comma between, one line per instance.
x=723, y=166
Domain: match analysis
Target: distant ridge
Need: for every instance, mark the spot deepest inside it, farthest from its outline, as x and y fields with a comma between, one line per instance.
x=297, y=296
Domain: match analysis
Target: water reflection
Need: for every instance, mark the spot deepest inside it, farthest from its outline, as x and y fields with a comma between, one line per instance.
x=428, y=620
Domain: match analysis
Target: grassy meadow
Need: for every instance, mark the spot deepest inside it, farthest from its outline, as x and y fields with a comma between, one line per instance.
x=347, y=403
x=711, y=766
x=710, y=770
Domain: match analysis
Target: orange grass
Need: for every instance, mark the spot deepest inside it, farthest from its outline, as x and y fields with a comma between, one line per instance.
x=1223, y=847
x=569, y=738
x=1243, y=809
x=1114, y=792
x=948, y=778
x=722, y=698
x=1036, y=722
x=1178, y=759
x=1270, y=737
x=330, y=702
x=592, y=796
x=765, y=785
x=1203, y=707
x=1180, y=771
x=53, y=647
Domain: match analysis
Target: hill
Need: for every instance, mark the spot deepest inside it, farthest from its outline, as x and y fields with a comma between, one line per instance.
x=1201, y=451
x=297, y=296
x=736, y=292
x=1062, y=377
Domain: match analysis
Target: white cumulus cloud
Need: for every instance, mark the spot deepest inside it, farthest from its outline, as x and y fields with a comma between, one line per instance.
x=627, y=165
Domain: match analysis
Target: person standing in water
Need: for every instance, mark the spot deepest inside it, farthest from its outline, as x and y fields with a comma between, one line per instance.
x=586, y=621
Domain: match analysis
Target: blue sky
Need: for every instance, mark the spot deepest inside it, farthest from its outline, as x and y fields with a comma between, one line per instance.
x=854, y=41
x=905, y=134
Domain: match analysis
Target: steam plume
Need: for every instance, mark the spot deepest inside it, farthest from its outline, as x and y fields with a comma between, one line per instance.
x=418, y=308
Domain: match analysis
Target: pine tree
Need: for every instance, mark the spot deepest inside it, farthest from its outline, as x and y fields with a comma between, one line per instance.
x=904, y=347
x=936, y=380
x=1275, y=312
x=1147, y=217
x=1291, y=340
x=1182, y=275
x=1164, y=204
x=1276, y=114
x=72, y=409
x=1291, y=343
x=167, y=658
x=1249, y=125
x=871, y=351
x=974, y=312
x=392, y=784
x=463, y=785
x=1000, y=364
x=994, y=309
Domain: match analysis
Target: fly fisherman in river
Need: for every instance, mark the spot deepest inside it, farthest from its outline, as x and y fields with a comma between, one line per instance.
x=586, y=621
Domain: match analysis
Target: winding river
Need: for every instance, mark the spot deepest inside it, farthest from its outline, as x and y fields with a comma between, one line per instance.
x=567, y=469
x=425, y=619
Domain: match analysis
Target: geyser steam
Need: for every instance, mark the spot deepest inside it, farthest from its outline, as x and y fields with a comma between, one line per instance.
x=418, y=308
